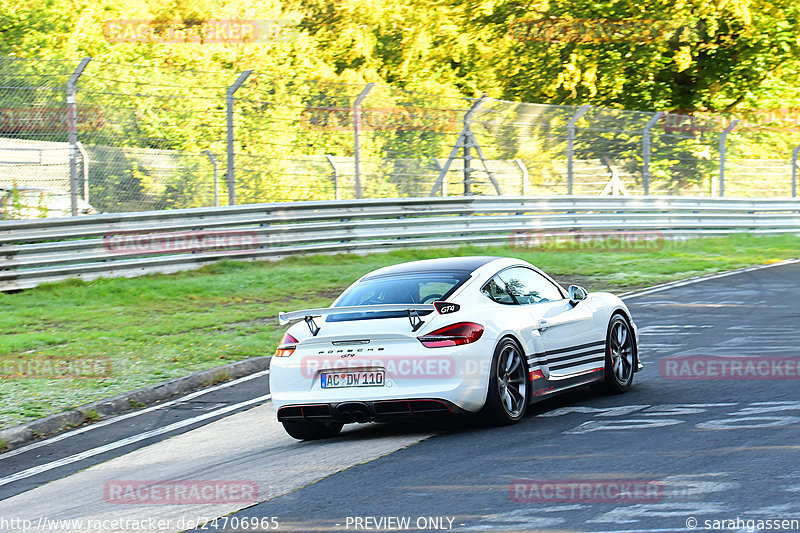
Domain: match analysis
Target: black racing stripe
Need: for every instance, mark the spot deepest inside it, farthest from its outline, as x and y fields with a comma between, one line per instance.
x=573, y=348
x=544, y=357
x=576, y=355
x=579, y=363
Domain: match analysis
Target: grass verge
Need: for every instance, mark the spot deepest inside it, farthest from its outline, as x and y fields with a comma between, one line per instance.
x=160, y=327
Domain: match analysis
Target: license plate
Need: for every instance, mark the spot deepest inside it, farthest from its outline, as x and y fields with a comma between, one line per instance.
x=373, y=378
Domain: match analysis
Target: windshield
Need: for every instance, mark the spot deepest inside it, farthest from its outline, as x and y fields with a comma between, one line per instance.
x=421, y=288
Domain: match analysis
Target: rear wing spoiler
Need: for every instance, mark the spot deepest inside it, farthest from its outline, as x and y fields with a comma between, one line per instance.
x=412, y=310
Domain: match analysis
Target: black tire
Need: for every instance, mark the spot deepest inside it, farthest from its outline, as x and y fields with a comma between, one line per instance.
x=509, y=388
x=305, y=430
x=621, y=357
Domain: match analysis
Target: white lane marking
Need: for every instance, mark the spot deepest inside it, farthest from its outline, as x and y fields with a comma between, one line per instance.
x=750, y=422
x=129, y=440
x=698, y=279
x=599, y=411
x=678, y=409
x=126, y=416
x=622, y=425
x=648, y=511
x=672, y=329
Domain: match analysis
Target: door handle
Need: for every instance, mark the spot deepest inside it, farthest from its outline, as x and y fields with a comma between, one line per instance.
x=543, y=325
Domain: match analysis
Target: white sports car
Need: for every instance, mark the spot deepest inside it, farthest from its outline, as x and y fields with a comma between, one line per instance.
x=485, y=335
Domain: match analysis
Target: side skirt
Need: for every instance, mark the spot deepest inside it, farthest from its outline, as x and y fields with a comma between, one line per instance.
x=542, y=387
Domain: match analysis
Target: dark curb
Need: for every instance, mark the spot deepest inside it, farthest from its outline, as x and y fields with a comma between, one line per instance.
x=128, y=401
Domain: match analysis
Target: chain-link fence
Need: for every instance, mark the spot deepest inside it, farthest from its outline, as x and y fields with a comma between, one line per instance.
x=138, y=137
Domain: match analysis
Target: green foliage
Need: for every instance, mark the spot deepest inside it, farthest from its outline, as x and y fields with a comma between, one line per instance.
x=651, y=55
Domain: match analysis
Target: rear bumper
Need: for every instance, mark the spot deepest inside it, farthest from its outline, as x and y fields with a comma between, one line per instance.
x=369, y=411
x=457, y=375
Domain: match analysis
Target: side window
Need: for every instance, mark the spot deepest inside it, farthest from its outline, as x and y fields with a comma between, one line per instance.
x=496, y=290
x=529, y=287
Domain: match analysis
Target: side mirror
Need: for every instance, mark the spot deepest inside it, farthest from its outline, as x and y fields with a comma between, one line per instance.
x=576, y=294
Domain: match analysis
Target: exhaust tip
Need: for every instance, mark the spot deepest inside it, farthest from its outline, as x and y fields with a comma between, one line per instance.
x=353, y=412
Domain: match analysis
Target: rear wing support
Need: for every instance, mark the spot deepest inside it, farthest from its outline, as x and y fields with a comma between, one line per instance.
x=312, y=326
x=414, y=318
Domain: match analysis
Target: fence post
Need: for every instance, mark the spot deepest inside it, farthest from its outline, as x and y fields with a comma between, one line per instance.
x=467, y=155
x=336, y=193
x=722, y=150
x=571, y=142
x=72, y=132
x=85, y=165
x=646, y=151
x=444, y=182
x=524, y=172
x=795, y=153
x=216, y=176
x=465, y=139
x=356, y=141
x=229, y=101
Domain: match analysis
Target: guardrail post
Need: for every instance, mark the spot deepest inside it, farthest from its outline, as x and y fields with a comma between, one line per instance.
x=356, y=141
x=216, y=176
x=336, y=193
x=72, y=132
x=646, y=151
x=795, y=153
x=229, y=102
x=571, y=142
x=722, y=150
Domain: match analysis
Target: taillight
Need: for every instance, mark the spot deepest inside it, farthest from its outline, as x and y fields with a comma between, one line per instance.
x=286, y=347
x=452, y=335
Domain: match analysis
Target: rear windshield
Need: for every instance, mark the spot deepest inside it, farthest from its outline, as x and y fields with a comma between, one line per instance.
x=422, y=288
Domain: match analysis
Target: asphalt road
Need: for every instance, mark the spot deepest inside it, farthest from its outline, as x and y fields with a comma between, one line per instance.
x=673, y=454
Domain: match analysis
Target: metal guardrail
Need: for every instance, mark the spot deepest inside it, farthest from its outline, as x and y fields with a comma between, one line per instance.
x=130, y=244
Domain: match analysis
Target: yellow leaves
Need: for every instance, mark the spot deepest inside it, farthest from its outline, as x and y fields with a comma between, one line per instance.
x=739, y=8
x=572, y=76
x=589, y=79
x=683, y=58
x=713, y=12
